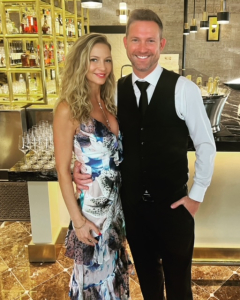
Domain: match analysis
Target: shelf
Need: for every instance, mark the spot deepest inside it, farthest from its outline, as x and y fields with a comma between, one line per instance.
x=22, y=35
x=24, y=70
x=18, y=1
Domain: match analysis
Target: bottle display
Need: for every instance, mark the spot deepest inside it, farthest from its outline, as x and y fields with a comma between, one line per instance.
x=32, y=64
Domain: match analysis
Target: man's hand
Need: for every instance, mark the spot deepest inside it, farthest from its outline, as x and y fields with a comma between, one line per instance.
x=80, y=179
x=191, y=205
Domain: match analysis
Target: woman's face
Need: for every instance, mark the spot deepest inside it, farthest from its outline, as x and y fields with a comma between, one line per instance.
x=100, y=64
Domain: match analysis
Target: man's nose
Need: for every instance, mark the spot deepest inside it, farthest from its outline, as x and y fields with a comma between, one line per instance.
x=142, y=47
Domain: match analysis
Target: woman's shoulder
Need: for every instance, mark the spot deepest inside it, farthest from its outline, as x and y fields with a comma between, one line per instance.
x=63, y=113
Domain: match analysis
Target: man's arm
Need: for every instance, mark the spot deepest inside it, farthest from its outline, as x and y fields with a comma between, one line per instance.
x=190, y=107
x=81, y=180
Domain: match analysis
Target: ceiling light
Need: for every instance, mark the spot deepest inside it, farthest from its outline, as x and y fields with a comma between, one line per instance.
x=223, y=16
x=186, y=30
x=122, y=12
x=91, y=4
x=204, y=24
x=193, y=27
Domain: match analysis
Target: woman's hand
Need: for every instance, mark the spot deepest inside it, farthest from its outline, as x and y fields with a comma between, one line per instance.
x=84, y=233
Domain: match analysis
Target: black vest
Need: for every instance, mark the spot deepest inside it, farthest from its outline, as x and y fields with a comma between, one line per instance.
x=154, y=150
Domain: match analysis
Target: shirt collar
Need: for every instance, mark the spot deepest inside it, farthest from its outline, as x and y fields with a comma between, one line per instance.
x=152, y=78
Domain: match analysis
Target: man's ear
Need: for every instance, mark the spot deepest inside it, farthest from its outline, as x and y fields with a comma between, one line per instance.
x=162, y=44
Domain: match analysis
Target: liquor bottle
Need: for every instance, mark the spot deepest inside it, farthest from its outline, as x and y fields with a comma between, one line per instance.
x=69, y=28
x=32, y=83
x=38, y=56
x=46, y=55
x=8, y=23
x=57, y=25
x=215, y=85
x=30, y=20
x=25, y=57
x=45, y=27
x=24, y=23
x=79, y=29
x=49, y=21
x=35, y=26
x=51, y=55
x=42, y=17
x=22, y=84
x=32, y=56
x=60, y=25
x=210, y=85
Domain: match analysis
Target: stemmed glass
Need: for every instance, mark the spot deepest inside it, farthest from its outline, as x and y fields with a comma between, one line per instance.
x=23, y=146
x=35, y=148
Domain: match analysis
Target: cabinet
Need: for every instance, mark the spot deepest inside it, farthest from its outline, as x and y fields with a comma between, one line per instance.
x=34, y=39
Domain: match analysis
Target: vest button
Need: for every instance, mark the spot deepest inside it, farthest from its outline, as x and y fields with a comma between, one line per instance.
x=142, y=143
x=142, y=128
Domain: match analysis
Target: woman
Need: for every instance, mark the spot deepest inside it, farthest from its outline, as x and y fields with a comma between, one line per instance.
x=85, y=117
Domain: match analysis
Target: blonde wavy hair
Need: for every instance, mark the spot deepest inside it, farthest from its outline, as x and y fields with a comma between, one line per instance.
x=75, y=89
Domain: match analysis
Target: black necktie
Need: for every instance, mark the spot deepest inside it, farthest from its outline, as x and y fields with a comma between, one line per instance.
x=143, y=102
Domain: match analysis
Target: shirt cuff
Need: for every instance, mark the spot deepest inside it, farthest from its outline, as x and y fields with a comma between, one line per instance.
x=197, y=192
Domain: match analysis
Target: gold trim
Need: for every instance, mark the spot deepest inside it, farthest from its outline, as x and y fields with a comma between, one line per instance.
x=220, y=256
x=46, y=252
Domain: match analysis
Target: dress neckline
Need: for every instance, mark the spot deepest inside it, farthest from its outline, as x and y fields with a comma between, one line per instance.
x=107, y=127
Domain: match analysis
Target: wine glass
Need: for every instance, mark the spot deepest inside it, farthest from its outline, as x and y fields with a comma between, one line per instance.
x=23, y=146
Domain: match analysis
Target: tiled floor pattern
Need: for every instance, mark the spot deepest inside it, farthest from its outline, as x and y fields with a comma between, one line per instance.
x=20, y=279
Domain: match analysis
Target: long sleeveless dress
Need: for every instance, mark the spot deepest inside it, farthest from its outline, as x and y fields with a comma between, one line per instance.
x=100, y=272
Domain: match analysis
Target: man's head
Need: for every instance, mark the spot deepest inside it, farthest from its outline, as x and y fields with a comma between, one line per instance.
x=143, y=41
x=144, y=15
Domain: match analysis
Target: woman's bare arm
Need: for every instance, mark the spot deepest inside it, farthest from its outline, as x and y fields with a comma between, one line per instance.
x=64, y=129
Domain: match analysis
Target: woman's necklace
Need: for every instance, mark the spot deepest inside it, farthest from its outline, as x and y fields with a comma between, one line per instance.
x=105, y=116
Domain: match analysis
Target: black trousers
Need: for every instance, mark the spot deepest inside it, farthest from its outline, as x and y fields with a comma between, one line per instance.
x=154, y=232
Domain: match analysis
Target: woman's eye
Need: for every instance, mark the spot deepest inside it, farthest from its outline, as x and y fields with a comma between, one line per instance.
x=108, y=60
x=93, y=59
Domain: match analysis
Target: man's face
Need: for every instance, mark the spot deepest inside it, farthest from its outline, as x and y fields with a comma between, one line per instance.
x=143, y=46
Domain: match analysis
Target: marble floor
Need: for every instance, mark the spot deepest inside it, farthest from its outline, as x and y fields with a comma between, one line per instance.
x=20, y=279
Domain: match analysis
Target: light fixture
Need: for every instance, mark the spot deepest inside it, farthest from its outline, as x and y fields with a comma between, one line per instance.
x=223, y=16
x=91, y=4
x=122, y=12
x=186, y=30
x=193, y=27
x=204, y=24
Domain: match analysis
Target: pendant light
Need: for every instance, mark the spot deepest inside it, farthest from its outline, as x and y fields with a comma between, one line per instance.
x=122, y=12
x=91, y=4
x=204, y=24
x=186, y=30
x=193, y=27
x=223, y=16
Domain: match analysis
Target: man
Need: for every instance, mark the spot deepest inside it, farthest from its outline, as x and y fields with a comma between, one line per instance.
x=159, y=213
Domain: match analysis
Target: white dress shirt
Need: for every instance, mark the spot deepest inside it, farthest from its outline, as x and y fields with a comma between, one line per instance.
x=189, y=107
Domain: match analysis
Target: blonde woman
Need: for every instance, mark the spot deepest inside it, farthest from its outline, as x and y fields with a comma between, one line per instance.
x=85, y=120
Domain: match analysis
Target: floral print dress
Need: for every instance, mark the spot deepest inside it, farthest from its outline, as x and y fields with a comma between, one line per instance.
x=100, y=272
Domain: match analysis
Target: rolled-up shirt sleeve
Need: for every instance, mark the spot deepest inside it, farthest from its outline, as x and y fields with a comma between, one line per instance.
x=190, y=107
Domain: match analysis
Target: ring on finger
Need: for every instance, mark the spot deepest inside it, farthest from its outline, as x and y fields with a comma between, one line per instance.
x=90, y=241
